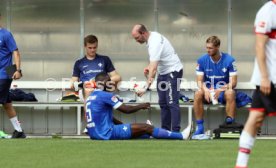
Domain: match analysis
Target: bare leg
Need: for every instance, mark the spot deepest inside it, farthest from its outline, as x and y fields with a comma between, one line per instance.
x=248, y=137
x=9, y=110
x=198, y=104
x=141, y=129
x=144, y=129
x=18, y=133
x=254, y=122
x=230, y=103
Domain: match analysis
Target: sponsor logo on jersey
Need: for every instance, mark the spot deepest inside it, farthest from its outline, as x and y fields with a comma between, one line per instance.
x=92, y=71
x=100, y=64
x=114, y=99
x=261, y=24
x=224, y=70
x=85, y=66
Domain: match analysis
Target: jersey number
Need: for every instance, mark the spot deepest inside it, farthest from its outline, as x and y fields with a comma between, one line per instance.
x=88, y=113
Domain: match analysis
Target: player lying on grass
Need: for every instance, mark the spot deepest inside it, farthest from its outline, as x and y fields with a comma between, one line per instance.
x=100, y=120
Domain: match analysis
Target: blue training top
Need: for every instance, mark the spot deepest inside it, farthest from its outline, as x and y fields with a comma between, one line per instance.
x=86, y=69
x=216, y=74
x=7, y=46
x=99, y=114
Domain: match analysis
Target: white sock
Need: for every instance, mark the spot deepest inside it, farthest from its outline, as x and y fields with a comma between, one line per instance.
x=246, y=144
x=16, y=124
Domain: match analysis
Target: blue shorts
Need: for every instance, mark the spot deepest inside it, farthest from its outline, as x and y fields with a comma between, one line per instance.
x=5, y=85
x=121, y=131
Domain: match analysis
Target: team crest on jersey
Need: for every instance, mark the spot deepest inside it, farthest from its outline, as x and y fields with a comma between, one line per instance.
x=261, y=24
x=197, y=67
x=100, y=64
x=224, y=70
x=114, y=99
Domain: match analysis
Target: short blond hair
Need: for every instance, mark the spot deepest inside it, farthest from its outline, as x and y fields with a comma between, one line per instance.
x=214, y=40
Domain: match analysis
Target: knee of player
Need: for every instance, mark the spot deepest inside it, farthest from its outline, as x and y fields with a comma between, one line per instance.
x=259, y=121
x=199, y=95
x=229, y=95
x=148, y=128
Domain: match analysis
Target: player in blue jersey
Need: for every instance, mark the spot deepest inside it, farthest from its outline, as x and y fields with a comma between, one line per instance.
x=217, y=73
x=101, y=124
x=8, y=49
x=86, y=68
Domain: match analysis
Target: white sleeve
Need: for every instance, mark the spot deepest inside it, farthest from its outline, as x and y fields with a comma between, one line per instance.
x=263, y=21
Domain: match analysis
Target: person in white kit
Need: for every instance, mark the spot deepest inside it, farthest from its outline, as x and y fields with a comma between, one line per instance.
x=164, y=61
x=264, y=77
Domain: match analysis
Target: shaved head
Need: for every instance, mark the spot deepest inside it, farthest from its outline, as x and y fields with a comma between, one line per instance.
x=140, y=33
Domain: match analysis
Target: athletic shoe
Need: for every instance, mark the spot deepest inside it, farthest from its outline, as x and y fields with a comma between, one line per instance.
x=201, y=137
x=4, y=135
x=198, y=131
x=17, y=134
x=240, y=167
x=85, y=131
x=149, y=122
x=187, y=132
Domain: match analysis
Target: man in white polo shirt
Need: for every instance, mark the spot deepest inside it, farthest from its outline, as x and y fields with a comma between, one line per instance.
x=165, y=62
x=264, y=77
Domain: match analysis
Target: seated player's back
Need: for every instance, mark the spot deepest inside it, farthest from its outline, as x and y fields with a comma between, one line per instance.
x=99, y=114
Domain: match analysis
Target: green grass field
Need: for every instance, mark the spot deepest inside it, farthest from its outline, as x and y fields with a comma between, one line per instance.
x=78, y=153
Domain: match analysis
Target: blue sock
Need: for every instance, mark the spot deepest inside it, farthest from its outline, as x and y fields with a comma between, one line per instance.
x=160, y=133
x=229, y=120
x=200, y=127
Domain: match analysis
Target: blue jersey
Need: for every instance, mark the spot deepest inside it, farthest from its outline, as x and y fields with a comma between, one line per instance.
x=86, y=69
x=7, y=46
x=99, y=114
x=216, y=74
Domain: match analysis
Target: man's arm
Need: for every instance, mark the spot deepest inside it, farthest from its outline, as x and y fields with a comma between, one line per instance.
x=132, y=109
x=114, y=76
x=201, y=86
x=233, y=80
x=17, y=61
x=152, y=67
x=261, y=41
x=73, y=80
x=149, y=72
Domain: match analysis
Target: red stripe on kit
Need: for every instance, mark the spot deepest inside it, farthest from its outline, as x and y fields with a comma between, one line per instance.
x=240, y=167
x=257, y=109
x=272, y=34
x=244, y=150
x=271, y=114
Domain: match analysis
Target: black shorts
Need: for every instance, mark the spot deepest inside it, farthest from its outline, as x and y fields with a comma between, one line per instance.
x=262, y=103
x=5, y=85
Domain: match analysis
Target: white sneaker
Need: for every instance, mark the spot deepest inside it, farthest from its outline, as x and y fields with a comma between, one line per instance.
x=149, y=122
x=85, y=131
x=201, y=137
x=187, y=132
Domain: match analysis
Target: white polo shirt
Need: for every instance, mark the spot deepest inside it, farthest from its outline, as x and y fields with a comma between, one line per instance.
x=161, y=50
x=265, y=23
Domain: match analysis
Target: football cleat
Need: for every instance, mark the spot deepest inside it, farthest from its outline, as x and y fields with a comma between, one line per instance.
x=17, y=134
